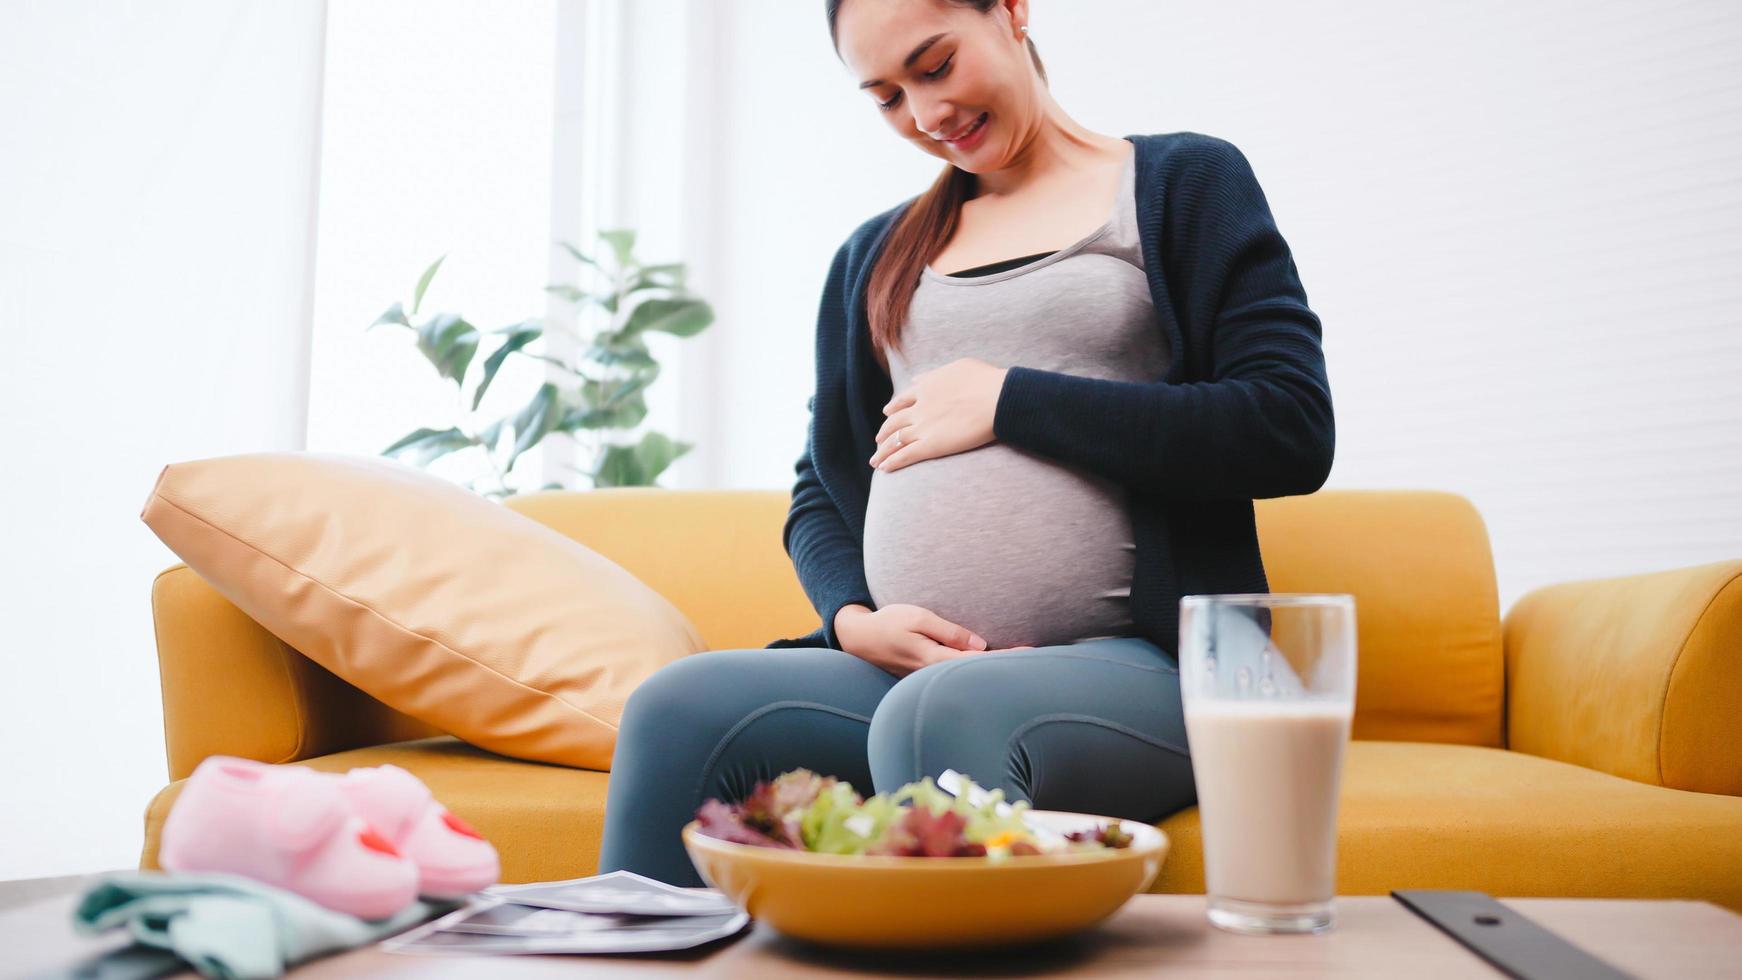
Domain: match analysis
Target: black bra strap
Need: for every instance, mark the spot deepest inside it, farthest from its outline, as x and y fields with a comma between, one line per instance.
x=1000, y=265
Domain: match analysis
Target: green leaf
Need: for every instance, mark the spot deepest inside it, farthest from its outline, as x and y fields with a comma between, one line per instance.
x=672, y=270
x=622, y=242
x=423, y=283
x=666, y=276
x=619, y=414
x=518, y=336
x=638, y=360
x=658, y=451
x=611, y=392
x=638, y=465
x=621, y=349
x=618, y=467
x=573, y=294
x=429, y=444
x=488, y=436
x=556, y=362
x=449, y=343
x=617, y=390
x=581, y=256
x=683, y=317
x=577, y=295
x=535, y=421
x=394, y=314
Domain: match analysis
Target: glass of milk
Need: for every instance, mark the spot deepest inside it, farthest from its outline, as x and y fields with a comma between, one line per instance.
x=1267, y=681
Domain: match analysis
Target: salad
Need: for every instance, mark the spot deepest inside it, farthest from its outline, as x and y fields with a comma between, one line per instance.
x=802, y=810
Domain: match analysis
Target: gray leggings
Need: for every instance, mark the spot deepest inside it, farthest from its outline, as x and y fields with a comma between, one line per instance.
x=1092, y=726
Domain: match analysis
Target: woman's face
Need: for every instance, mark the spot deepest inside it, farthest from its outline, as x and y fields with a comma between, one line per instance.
x=939, y=69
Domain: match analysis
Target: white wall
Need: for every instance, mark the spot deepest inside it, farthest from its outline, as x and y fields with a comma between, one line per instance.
x=1519, y=223
x=156, y=192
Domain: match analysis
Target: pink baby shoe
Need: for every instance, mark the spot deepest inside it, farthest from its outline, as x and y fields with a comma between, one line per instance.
x=289, y=827
x=452, y=858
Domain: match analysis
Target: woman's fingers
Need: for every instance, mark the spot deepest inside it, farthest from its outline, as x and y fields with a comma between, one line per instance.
x=911, y=451
x=883, y=449
x=927, y=652
x=948, y=633
x=886, y=442
x=901, y=400
x=899, y=420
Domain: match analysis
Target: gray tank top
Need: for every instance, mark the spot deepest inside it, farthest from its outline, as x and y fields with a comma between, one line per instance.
x=1015, y=546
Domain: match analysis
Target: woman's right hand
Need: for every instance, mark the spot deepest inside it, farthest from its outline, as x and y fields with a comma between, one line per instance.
x=902, y=638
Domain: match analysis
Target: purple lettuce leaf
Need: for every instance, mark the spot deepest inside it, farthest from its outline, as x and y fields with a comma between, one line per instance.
x=922, y=833
x=722, y=820
x=776, y=807
x=1108, y=834
x=770, y=815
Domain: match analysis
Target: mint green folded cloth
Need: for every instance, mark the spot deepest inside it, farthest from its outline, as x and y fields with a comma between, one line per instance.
x=230, y=926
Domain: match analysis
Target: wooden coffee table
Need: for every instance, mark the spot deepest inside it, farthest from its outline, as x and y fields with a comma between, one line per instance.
x=1151, y=936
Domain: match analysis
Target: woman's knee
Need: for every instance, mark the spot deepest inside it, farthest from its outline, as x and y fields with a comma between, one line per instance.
x=922, y=717
x=688, y=702
x=967, y=713
x=679, y=686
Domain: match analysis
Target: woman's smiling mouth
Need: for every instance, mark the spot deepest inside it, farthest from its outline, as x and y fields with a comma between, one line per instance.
x=971, y=135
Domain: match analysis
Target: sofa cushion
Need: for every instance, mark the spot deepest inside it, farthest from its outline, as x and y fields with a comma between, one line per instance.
x=1412, y=815
x=436, y=601
x=716, y=554
x=1638, y=675
x=1427, y=609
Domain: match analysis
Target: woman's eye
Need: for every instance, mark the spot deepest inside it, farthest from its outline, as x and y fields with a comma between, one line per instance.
x=938, y=72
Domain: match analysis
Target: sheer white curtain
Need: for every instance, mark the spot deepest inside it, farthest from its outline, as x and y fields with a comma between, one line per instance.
x=157, y=189
x=439, y=117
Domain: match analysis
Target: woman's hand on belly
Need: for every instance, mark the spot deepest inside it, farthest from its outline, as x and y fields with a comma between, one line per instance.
x=902, y=638
x=941, y=412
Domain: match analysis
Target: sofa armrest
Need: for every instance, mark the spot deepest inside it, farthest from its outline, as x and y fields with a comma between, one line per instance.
x=232, y=688
x=1640, y=676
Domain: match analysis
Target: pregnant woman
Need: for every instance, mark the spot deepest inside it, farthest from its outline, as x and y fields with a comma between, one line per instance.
x=1048, y=390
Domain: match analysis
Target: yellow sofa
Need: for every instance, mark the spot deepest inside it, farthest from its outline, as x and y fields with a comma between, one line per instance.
x=1590, y=745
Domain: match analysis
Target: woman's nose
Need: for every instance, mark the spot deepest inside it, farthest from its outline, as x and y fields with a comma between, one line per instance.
x=931, y=118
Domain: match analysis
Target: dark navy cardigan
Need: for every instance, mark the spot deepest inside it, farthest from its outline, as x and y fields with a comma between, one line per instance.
x=1244, y=410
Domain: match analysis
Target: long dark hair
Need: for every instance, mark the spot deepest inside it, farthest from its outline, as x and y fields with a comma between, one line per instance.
x=922, y=229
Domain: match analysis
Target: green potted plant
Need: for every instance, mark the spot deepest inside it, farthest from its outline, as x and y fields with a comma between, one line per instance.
x=602, y=380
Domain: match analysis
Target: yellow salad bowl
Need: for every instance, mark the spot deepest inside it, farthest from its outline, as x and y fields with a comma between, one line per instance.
x=932, y=902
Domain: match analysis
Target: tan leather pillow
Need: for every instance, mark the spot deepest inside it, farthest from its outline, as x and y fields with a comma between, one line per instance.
x=438, y=602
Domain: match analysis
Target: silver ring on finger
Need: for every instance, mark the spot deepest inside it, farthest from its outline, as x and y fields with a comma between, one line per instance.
x=898, y=438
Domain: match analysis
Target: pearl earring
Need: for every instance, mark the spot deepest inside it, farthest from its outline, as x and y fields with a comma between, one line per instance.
x=1025, y=30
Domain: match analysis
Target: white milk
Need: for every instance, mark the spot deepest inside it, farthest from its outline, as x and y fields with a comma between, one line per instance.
x=1267, y=775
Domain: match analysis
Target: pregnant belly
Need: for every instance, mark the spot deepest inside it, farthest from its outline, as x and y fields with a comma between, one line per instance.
x=1017, y=548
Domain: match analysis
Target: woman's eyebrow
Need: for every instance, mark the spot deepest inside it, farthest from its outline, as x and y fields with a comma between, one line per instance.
x=912, y=57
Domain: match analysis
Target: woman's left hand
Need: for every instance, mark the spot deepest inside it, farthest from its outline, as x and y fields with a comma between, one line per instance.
x=943, y=411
